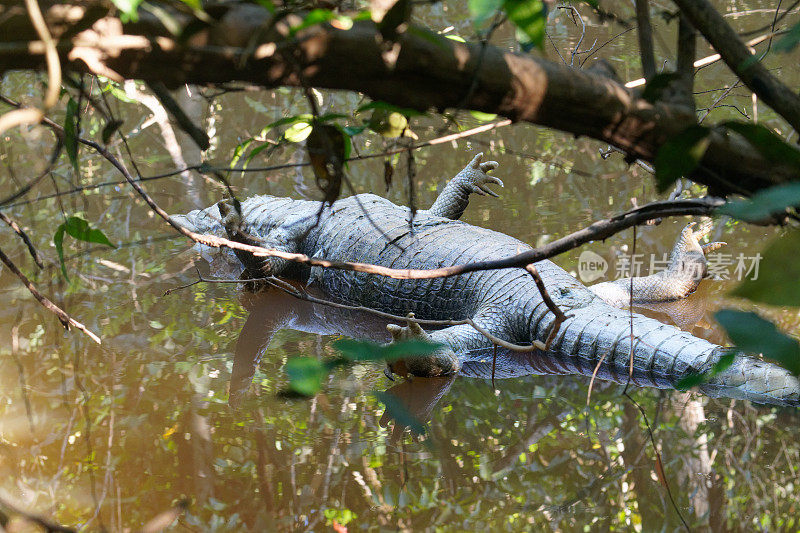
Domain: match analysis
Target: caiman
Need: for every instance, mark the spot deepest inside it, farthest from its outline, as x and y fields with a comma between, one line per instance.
x=506, y=303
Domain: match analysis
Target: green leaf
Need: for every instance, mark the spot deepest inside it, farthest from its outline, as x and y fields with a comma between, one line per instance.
x=197, y=5
x=356, y=350
x=751, y=333
x=306, y=375
x=680, y=155
x=77, y=228
x=354, y=130
x=70, y=135
x=409, y=348
x=788, y=42
x=239, y=151
x=319, y=16
x=387, y=123
x=695, y=379
x=58, y=240
x=435, y=39
x=779, y=279
x=482, y=10
x=298, y=132
x=348, y=143
x=110, y=129
x=116, y=92
x=483, y=117
x=764, y=203
x=330, y=116
x=530, y=17
x=128, y=10
x=770, y=145
x=254, y=152
x=305, y=117
x=267, y=4
x=400, y=413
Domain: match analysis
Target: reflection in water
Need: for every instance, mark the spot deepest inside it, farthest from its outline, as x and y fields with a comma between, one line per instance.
x=273, y=310
x=109, y=437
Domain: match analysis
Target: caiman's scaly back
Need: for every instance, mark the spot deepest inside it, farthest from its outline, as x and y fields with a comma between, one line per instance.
x=506, y=303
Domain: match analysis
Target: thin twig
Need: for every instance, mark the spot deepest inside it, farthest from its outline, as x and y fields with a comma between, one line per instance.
x=659, y=462
x=594, y=375
x=713, y=58
x=560, y=317
x=630, y=314
x=24, y=236
x=28, y=186
x=63, y=317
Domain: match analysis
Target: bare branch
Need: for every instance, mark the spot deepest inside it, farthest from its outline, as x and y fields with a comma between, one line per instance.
x=645, y=32
x=518, y=87
x=738, y=57
x=687, y=45
x=199, y=136
x=24, y=236
x=63, y=317
x=551, y=305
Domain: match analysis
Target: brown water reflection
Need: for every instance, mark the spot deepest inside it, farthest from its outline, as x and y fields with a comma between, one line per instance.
x=109, y=436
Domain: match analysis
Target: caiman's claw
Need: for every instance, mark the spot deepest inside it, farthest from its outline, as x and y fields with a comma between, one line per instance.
x=412, y=330
x=476, y=177
x=690, y=238
x=710, y=247
x=442, y=362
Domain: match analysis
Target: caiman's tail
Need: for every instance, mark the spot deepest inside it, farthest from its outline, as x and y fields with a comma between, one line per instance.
x=756, y=380
x=662, y=356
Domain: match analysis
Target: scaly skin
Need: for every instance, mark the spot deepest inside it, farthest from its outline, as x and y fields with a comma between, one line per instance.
x=505, y=302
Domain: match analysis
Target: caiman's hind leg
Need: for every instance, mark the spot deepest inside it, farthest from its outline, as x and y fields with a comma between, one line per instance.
x=687, y=267
x=454, y=199
x=277, y=239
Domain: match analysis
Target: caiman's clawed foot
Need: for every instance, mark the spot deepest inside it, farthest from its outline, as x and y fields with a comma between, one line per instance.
x=689, y=256
x=687, y=267
x=442, y=362
x=475, y=176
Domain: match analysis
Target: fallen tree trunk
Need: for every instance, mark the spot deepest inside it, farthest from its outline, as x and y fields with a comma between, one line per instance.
x=246, y=43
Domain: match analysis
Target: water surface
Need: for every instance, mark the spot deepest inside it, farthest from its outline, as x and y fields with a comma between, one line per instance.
x=109, y=436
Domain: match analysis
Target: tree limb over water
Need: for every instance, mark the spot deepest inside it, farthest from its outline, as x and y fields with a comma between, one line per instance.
x=245, y=43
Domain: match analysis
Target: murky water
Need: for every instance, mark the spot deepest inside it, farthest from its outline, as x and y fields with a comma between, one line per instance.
x=110, y=436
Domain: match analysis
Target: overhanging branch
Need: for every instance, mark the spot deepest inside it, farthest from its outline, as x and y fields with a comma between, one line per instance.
x=737, y=56
x=244, y=44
